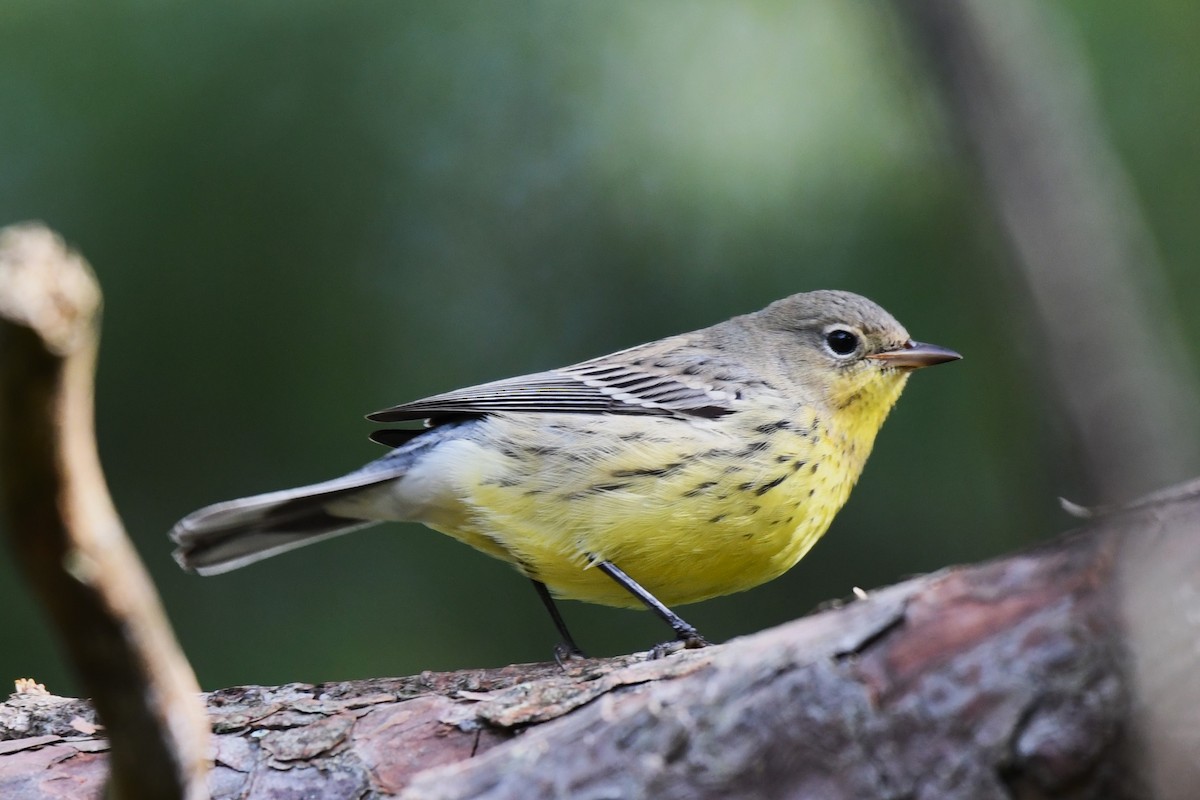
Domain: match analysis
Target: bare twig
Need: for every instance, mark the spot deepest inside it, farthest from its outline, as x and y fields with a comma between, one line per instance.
x=64, y=530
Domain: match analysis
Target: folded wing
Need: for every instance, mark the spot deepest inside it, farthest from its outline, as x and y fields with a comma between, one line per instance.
x=679, y=382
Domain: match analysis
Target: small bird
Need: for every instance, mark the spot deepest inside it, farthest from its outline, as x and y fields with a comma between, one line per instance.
x=683, y=469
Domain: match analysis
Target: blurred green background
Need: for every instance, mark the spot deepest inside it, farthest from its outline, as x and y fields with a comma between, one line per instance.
x=302, y=212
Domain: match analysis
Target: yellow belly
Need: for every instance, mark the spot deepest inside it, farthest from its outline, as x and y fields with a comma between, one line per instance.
x=689, y=509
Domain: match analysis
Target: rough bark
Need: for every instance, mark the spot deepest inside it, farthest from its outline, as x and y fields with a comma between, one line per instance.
x=1068, y=671
x=65, y=534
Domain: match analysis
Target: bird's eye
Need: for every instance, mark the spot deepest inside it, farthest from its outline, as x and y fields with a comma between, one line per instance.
x=841, y=342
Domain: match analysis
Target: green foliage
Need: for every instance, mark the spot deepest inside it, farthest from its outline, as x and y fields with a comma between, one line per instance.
x=303, y=212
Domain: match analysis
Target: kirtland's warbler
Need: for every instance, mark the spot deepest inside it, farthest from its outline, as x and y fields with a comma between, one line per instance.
x=671, y=472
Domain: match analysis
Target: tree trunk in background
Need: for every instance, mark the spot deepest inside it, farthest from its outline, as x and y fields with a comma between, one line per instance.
x=1018, y=94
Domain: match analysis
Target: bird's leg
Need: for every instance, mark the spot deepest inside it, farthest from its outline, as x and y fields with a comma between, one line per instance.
x=685, y=634
x=566, y=649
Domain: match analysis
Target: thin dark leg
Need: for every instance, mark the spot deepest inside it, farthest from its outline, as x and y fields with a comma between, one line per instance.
x=683, y=631
x=568, y=648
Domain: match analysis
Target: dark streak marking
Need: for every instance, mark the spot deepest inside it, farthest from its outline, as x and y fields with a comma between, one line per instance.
x=766, y=487
x=851, y=400
x=597, y=489
x=699, y=488
x=707, y=412
x=752, y=448
x=557, y=426
x=674, y=466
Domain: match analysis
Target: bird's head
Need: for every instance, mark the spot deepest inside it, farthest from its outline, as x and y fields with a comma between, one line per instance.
x=845, y=351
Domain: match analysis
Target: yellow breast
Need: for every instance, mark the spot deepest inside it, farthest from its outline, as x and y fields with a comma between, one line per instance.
x=691, y=509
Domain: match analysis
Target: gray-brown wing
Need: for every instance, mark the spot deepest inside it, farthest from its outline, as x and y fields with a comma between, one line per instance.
x=679, y=382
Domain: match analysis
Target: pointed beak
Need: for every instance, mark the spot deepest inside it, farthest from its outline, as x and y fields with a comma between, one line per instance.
x=914, y=355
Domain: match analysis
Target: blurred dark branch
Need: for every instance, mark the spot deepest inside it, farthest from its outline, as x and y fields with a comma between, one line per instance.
x=1018, y=93
x=65, y=533
x=1069, y=671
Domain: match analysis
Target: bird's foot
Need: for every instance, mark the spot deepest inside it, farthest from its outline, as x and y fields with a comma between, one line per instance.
x=692, y=641
x=566, y=652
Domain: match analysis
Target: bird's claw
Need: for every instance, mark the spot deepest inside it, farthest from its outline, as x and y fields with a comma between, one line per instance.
x=564, y=653
x=692, y=641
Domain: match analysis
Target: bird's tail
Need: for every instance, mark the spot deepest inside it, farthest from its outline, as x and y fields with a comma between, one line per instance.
x=229, y=535
x=225, y=536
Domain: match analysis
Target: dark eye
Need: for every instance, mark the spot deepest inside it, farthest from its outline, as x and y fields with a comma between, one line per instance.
x=841, y=342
